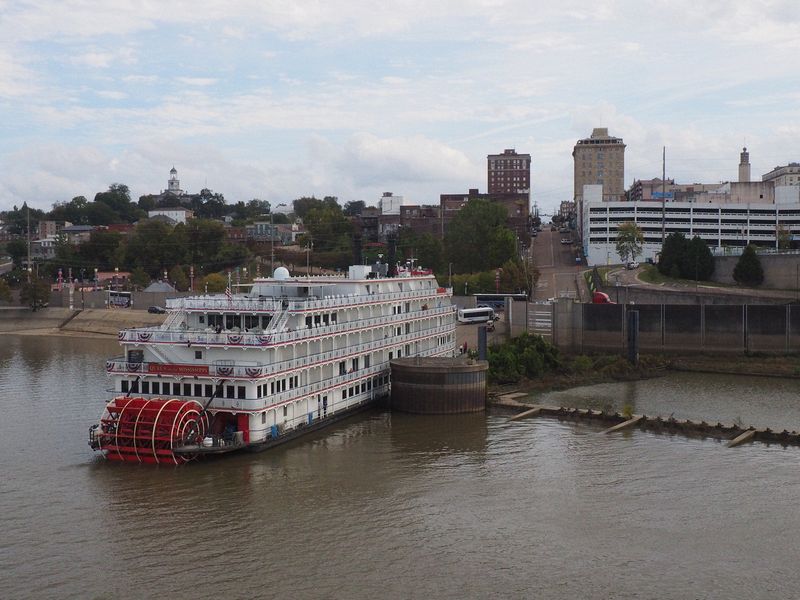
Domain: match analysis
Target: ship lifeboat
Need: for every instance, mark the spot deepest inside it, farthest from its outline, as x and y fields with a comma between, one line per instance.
x=146, y=430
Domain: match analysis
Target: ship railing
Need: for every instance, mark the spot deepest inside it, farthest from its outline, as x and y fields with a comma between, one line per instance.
x=223, y=304
x=253, y=369
x=266, y=338
x=271, y=304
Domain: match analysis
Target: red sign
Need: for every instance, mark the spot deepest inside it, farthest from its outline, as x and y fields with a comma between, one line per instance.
x=167, y=369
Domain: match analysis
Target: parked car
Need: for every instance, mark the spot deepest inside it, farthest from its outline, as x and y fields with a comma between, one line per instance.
x=632, y=265
x=601, y=298
x=156, y=310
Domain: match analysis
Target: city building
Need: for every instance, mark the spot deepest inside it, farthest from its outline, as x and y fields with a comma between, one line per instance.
x=280, y=233
x=77, y=234
x=517, y=207
x=389, y=204
x=738, y=215
x=744, y=166
x=178, y=214
x=600, y=160
x=50, y=229
x=566, y=211
x=174, y=195
x=421, y=219
x=44, y=248
x=786, y=175
x=508, y=173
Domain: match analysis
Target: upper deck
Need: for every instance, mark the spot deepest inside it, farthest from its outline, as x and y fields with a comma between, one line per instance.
x=284, y=309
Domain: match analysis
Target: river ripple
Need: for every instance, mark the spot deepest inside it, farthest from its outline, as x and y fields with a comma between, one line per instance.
x=386, y=505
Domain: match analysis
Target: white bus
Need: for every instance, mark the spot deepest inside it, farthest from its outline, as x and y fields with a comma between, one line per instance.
x=475, y=315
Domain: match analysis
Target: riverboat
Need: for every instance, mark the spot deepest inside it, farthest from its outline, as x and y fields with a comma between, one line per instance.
x=250, y=370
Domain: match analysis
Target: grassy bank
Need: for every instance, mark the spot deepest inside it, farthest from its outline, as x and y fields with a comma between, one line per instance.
x=581, y=370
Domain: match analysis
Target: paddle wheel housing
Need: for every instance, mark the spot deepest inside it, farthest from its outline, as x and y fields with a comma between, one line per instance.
x=147, y=430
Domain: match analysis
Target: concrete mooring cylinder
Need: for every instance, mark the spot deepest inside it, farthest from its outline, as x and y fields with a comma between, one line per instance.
x=435, y=385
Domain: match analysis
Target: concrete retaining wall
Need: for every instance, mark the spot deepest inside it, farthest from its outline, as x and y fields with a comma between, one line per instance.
x=654, y=295
x=678, y=328
x=781, y=271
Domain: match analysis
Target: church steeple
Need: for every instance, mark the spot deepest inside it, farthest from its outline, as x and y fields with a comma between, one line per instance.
x=174, y=185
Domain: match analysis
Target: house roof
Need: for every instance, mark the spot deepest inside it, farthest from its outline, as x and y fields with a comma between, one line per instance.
x=160, y=286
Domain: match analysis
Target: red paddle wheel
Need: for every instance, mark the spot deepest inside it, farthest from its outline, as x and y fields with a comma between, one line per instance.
x=148, y=430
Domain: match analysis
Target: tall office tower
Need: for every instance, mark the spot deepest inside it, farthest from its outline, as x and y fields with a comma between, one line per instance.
x=744, y=166
x=600, y=160
x=509, y=172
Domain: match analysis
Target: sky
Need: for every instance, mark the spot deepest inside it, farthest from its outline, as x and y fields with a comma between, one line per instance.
x=278, y=100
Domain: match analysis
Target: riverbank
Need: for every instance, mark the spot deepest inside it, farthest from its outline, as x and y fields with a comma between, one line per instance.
x=92, y=322
x=613, y=368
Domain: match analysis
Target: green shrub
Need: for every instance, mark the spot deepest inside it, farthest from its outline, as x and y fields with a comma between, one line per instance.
x=524, y=356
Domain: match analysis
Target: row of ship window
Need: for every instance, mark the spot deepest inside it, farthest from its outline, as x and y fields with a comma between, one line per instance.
x=231, y=321
x=364, y=386
x=204, y=390
x=199, y=390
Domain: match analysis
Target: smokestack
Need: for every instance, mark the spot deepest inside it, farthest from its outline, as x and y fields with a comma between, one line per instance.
x=392, y=256
x=358, y=257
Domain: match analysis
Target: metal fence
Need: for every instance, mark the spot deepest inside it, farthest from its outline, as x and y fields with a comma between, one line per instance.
x=690, y=328
x=676, y=328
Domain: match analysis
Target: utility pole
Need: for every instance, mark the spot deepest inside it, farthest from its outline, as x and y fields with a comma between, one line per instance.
x=663, y=197
x=29, y=243
x=272, y=245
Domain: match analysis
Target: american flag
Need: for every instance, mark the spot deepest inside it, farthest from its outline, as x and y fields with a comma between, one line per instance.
x=228, y=294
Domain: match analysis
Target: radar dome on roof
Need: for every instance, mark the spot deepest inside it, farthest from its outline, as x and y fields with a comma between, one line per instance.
x=281, y=273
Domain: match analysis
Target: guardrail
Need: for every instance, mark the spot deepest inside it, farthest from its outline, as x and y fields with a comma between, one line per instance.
x=245, y=304
x=148, y=335
x=253, y=370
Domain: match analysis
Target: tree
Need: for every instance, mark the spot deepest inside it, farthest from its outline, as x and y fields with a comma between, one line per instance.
x=73, y=211
x=697, y=261
x=784, y=237
x=35, y=294
x=17, y=250
x=354, y=208
x=208, y=205
x=5, y=291
x=101, y=250
x=148, y=246
x=477, y=238
x=629, y=241
x=139, y=278
x=748, y=270
x=178, y=278
x=425, y=247
x=672, y=255
x=213, y=283
x=99, y=213
x=16, y=220
x=118, y=199
x=328, y=227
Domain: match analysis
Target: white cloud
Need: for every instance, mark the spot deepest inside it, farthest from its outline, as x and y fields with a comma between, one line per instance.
x=112, y=94
x=197, y=81
x=358, y=100
x=16, y=79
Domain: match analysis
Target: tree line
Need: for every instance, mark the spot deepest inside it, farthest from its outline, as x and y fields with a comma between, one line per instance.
x=477, y=242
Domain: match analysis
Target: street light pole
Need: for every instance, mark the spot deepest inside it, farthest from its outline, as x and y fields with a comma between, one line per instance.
x=272, y=240
x=272, y=244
